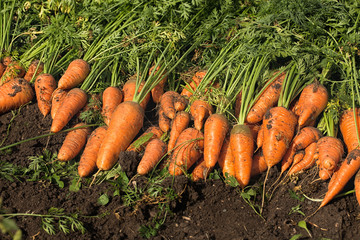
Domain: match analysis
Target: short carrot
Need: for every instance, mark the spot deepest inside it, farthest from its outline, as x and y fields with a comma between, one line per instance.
x=167, y=103
x=45, y=85
x=111, y=98
x=180, y=103
x=200, y=110
x=179, y=124
x=36, y=67
x=164, y=121
x=75, y=74
x=349, y=123
x=150, y=134
x=154, y=151
x=56, y=100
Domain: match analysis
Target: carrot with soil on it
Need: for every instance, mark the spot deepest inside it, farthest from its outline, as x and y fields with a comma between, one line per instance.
x=164, y=121
x=141, y=142
x=45, y=85
x=179, y=124
x=36, y=67
x=167, y=103
x=258, y=165
x=13, y=70
x=154, y=152
x=57, y=98
x=191, y=87
x=75, y=74
x=111, y=98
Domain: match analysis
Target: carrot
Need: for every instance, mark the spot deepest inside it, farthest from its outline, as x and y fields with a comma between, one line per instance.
x=201, y=171
x=307, y=162
x=74, y=141
x=179, y=124
x=13, y=70
x=154, y=151
x=357, y=186
x=56, y=100
x=126, y=122
x=36, y=67
x=200, y=110
x=187, y=151
x=255, y=129
x=279, y=127
x=330, y=151
x=349, y=123
x=196, y=79
x=87, y=163
x=158, y=90
x=75, y=74
x=112, y=96
x=45, y=85
x=259, y=164
x=7, y=60
x=14, y=94
x=312, y=101
x=164, y=121
x=167, y=102
x=129, y=89
x=267, y=99
x=260, y=137
x=226, y=159
x=180, y=103
x=151, y=133
x=73, y=102
x=215, y=129
x=2, y=69
x=346, y=171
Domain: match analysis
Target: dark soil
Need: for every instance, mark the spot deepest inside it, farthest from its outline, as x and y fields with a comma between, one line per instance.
x=198, y=210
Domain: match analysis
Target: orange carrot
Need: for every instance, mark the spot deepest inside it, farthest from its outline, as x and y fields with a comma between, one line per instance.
x=307, y=162
x=74, y=141
x=73, y=102
x=267, y=99
x=260, y=137
x=179, y=124
x=180, y=103
x=255, y=129
x=158, y=90
x=242, y=148
x=164, y=121
x=215, y=129
x=200, y=172
x=56, y=100
x=200, y=110
x=129, y=89
x=154, y=151
x=167, y=102
x=357, y=186
x=32, y=72
x=197, y=78
x=14, y=94
x=348, y=125
x=226, y=159
x=154, y=131
x=13, y=70
x=330, y=151
x=45, y=85
x=112, y=96
x=75, y=74
x=126, y=122
x=312, y=101
x=346, y=171
x=259, y=164
x=7, y=60
x=187, y=151
x=2, y=69
x=87, y=163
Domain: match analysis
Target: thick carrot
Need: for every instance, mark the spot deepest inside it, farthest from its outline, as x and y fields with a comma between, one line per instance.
x=348, y=125
x=167, y=103
x=179, y=124
x=346, y=171
x=13, y=70
x=126, y=122
x=307, y=162
x=259, y=164
x=155, y=132
x=74, y=142
x=32, y=72
x=330, y=151
x=56, y=100
x=200, y=110
x=279, y=127
x=187, y=151
x=2, y=69
x=226, y=159
x=242, y=148
x=200, y=172
x=73, y=102
x=312, y=101
x=164, y=121
x=75, y=74
x=267, y=99
x=45, y=85
x=129, y=89
x=158, y=90
x=14, y=94
x=357, y=186
x=215, y=129
x=111, y=98
x=87, y=163
x=154, y=151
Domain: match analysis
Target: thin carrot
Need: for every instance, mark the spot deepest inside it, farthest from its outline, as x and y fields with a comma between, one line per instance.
x=45, y=85
x=201, y=171
x=226, y=159
x=111, y=98
x=349, y=123
x=14, y=94
x=74, y=142
x=259, y=164
x=260, y=137
x=164, y=121
x=346, y=171
x=13, y=70
x=357, y=186
x=151, y=133
x=87, y=163
x=73, y=102
x=75, y=74
x=56, y=100
x=36, y=67
x=307, y=162
x=154, y=151
x=200, y=110
x=158, y=90
x=179, y=124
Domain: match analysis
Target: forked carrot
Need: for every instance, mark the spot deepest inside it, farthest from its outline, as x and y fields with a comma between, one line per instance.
x=36, y=67
x=179, y=124
x=200, y=110
x=111, y=98
x=150, y=134
x=75, y=74
x=307, y=162
x=154, y=151
x=349, y=123
x=45, y=85
x=56, y=100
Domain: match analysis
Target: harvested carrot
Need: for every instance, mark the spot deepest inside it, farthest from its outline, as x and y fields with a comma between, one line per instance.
x=196, y=79
x=87, y=163
x=74, y=142
x=14, y=94
x=167, y=102
x=346, y=171
x=255, y=129
x=126, y=122
x=179, y=124
x=13, y=70
x=312, y=101
x=226, y=159
x=307, y=162
x=151, y=133
x=164, y=121
x=45, y=85
x=111, y=98
x=200, y=110
x=154, y=151
x=259, y=164
x=158, y=90
x=349, y=122
x=75, y=74
x=260, y=137
x=357, y=186
x=129, y=89
x=187, y=151
x=73, y=102
x=36, y=67
x=180, y=103
x=201, y=171
x=7, y=60
x=267, y=99
x=56, y=100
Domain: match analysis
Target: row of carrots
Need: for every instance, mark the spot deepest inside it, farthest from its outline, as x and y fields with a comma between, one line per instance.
x=271, y=134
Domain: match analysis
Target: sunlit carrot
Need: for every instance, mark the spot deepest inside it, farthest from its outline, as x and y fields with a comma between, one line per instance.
x=179, y=124
x=56, y=100
x=349, y=123
x=141, y=142
x=201, y=171
x=12, y=71
x=36, y=67
x=129, y=89
x=307, y=162
x=357, y=187
x=200, y=110
x=259, y=164
x=75, y=74
x=167, y=103
x=158, y=90
x=226, y=159
x=196, y=79
x=154, y=151
x=45, y=85
x=111, y=98
x=164, y=121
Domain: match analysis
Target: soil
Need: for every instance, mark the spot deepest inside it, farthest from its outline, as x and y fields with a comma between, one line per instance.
x=207, y=209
